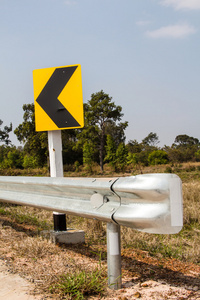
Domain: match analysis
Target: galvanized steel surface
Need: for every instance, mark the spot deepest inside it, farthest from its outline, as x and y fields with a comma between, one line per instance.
x=150, y=203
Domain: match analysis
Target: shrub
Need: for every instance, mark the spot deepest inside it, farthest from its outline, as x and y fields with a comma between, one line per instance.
x=158, y=157
x=30, y=162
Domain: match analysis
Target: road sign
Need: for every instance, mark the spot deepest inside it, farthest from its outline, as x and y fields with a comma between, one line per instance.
x=58, y=98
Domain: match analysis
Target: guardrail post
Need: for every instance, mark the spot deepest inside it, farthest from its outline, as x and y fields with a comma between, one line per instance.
x=114, y=256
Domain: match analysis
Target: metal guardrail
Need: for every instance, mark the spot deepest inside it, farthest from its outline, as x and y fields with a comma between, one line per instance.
x=150, y=203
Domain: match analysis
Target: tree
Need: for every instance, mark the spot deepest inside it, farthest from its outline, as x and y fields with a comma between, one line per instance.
x=35, y=143
x=151, y=140
x=100, y=111
x=174, y=155
x=110, y=151
x=117, y=131
x=158, y=157
x=88, y=153
x=4, y=134
x=183, y=140
x=135, y=159
x=134, y=147
x=197, y=155
x=186, y=147
x=71, y=154
x=139, y=159
x=14, y=159
x=121, y=156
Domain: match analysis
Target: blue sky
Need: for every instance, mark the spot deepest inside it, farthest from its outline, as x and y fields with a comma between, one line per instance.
x=144, y=53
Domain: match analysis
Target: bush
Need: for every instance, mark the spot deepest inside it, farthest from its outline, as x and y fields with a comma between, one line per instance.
x=197, y=155
x=158, y=157
x=30, y=162
x=168, y=170
x=13, y=159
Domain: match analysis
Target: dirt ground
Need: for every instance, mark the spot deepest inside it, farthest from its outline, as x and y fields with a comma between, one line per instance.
x=172, y=285
x=14, y=287
x=28, y=264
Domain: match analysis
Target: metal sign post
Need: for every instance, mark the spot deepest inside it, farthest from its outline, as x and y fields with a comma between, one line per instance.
x=56, y=170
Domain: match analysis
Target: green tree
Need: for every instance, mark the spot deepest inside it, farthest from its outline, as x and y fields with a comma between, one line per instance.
x=174, y=155
x=30, y=161
x=11, y=157
x=139, y=159
x=134, y=147
x=110, y=151
x=183, y=140
x=121, y=157
x=35, y=143
x=4, y=149
x=71, y=153
x=158, y=157
x=99, y=112
x=150, y=141
x=184, y=148
x=197, y=155
x=135, y=159
x=88, y=155
x=4, y=134
x=117, y=131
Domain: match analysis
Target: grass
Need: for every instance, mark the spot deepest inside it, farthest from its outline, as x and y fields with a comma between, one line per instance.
x=80, y=282
x=183, y=246
x=27, y=215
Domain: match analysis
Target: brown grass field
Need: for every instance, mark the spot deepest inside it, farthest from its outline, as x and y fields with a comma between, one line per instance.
x=173, y=259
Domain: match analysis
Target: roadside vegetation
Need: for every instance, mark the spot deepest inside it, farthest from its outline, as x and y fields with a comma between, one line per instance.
x=78, y=278
x=101, y=143
x=99, y=149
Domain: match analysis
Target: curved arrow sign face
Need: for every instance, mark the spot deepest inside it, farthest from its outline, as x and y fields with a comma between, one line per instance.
x=58, y=98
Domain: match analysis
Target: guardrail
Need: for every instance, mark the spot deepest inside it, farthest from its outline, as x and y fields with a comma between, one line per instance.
x=151, y=203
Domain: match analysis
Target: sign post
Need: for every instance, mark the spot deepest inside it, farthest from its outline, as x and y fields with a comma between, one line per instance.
x=56, y=170
x=58, y=105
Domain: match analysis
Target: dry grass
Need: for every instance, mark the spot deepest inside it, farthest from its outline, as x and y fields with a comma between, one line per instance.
x=191, y=194
x=42, y=262
x=184, y=246
x=45, y=263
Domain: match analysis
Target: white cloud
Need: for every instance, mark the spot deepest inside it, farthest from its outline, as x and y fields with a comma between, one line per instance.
x=182, y=4
x=172, y=31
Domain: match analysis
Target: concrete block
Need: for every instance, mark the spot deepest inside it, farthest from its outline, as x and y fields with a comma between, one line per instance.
x=71, y=236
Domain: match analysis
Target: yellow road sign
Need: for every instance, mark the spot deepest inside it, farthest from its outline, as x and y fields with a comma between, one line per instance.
x=58, y=98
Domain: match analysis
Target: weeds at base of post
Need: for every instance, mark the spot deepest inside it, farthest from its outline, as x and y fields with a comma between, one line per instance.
x=80, y=284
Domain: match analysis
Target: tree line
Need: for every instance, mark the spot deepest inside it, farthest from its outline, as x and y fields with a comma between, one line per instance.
x=101, y=141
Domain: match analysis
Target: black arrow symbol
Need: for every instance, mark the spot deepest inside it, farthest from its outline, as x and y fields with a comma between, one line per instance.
x=48, y=98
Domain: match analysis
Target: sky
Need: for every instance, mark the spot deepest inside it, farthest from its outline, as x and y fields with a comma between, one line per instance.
x=144, y=53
